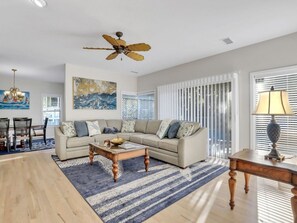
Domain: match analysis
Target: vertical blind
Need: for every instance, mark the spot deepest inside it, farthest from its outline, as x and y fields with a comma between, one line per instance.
x=207, y=101
x=288, y=139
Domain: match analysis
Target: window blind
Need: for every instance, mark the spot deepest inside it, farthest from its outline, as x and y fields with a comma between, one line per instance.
x=288, y=139
x=146, y=105
x=140, y=106
x=207, y=101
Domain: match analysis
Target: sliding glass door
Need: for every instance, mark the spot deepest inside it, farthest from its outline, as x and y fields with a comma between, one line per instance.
x=205, y=101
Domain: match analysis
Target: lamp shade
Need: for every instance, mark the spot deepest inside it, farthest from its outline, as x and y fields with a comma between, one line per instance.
x=273, y=103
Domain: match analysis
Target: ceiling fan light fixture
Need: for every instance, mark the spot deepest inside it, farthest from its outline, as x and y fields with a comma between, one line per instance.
x=39, y=3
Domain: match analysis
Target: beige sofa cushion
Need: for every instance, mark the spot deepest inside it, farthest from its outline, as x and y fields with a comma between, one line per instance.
x=100, y=138
x=117, y=123
x=151, y=140
x=79, y=141
x=127, y=135
x=140, y=126
x=102, y=124
x=169, y=144
x=137, y=138
x=153, y=126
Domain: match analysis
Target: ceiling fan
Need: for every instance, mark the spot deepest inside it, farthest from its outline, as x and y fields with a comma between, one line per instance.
x=120, y=47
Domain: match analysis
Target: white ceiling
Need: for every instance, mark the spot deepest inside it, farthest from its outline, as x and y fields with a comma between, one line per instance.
x=39, y=41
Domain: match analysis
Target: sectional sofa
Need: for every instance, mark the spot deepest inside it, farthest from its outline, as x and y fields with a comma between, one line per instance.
x=181, y=152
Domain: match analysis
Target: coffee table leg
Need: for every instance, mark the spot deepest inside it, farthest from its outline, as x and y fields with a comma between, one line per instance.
x=115, y=168
x=91, y=155
x=232, y=183
x=146, y=160
x=294, y=203
x=247, y=179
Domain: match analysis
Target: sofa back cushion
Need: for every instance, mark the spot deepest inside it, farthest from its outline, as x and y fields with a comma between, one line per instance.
x=93, y=128
x=117, y=123
x=102, y=124
x=81, y=128
x=128, y=126
x=68, y=129
x=173, y=129
x=163, y=128
x=152, y=126
x=187, y=129
x=140, y=126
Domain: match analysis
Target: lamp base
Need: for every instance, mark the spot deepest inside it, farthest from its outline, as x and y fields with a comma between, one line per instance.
x=274, y=154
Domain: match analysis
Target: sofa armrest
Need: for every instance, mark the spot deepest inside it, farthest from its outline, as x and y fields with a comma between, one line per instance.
x=194, y=148
x=60, y=144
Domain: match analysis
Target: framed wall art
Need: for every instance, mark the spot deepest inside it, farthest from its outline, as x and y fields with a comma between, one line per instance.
x=94, y=94
x=22, y=102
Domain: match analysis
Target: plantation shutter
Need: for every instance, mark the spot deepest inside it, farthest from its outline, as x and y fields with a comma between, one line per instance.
x=146, y=105
x=129, y=106
x=288, y=139
x=140, y=106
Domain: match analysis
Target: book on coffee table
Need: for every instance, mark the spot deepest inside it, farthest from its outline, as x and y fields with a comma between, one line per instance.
x=129, y=146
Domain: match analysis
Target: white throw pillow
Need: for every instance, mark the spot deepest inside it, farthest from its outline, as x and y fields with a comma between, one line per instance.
x=185, y=129
x=93, y=127
x=68, y=129
x=128, y=126
x=163, y=128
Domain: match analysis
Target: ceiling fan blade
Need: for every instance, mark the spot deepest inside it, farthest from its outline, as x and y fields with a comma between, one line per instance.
x=139, y=47
x=112, y=56
x=134, y=56
x=96, y=48
x=111, y=40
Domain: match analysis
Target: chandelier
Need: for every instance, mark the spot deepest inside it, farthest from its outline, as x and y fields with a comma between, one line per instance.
x=14, y=93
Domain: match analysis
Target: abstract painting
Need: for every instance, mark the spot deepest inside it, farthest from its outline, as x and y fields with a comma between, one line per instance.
x=21, y=103
x=94, y=94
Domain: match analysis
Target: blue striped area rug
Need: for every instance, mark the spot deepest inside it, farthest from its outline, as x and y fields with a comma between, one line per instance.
x=137, y=195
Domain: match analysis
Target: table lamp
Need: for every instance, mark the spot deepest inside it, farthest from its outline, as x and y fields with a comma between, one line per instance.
x=273, y=103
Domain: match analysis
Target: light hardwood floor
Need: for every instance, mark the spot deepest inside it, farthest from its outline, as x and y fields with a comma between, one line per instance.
x=33, y=189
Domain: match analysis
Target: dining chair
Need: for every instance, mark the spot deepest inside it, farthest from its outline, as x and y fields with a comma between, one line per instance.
x=4, y=132
x=40, y=130
x=22, y=131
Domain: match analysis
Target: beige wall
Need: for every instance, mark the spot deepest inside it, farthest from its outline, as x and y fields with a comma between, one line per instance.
x=37, y=89
x=124, y=84
x=274, y=53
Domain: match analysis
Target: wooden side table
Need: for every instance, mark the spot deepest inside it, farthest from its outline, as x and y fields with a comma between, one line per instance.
x=253, y=162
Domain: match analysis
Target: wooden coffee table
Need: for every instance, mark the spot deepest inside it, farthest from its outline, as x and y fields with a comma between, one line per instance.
x=116, y=154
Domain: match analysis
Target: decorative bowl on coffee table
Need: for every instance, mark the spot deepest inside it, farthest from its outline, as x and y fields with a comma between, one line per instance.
x=117, y=141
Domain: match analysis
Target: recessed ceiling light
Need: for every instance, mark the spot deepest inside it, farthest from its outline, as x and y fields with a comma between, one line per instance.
x=227, y=40
x=39, y=3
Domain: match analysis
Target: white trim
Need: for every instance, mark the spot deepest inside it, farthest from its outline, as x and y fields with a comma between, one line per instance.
x=259, y=74
x=235, y=113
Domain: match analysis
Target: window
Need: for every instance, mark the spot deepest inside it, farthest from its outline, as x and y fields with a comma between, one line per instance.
x=146, y=106
x=209, y=101
x=129, y=106
x=51, y=108
x=140, y=106
x=281, y=79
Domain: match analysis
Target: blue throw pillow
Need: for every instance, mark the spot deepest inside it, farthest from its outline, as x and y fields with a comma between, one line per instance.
x=173, y=129
x=108, y=130
x=81, y=128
